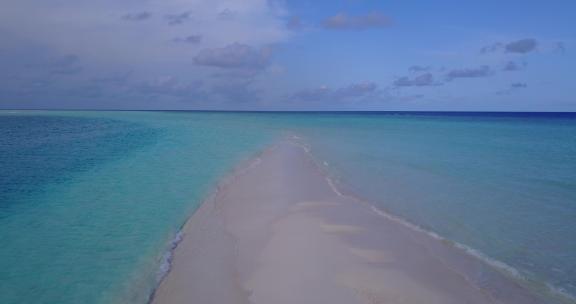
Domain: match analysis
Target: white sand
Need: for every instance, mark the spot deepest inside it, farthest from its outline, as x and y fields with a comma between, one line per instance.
x=278, y=233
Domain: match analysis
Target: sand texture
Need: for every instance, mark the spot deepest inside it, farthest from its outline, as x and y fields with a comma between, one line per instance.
x=278, y=233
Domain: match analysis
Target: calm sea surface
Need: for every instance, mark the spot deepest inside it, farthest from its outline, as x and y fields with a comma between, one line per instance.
x=91, y=201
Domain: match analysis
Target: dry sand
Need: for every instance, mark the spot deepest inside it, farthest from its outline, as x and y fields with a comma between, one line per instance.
x=278, y=233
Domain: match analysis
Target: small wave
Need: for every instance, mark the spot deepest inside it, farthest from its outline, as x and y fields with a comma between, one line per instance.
x=560, y=292
x=471, y=251
x=333, y=186
x=166, y=261
x=298, y=141
x=168, y=256
x=331, y=182
x=306, y=148
x=550, y=289
x=499, y=265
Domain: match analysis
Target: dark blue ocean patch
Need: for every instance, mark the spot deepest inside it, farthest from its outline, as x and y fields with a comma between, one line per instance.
x=40, y=150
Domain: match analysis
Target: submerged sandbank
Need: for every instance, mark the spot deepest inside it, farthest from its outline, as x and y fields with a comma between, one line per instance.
x=278, y=232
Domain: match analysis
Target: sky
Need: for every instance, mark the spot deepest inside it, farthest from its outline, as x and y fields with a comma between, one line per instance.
x=443, y=55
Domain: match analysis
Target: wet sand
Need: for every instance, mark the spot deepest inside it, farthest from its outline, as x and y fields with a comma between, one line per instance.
x=278, y=232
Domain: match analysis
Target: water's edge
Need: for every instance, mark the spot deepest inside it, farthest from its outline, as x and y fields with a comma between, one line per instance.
x=340, y=188
x=540, y=288
x=165, y=262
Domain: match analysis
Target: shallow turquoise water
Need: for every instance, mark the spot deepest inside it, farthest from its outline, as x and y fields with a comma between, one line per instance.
x=90, y=201
x=503, y=186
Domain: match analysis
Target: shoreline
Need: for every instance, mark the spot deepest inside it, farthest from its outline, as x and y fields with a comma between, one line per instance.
x=166, y=259
x=229, y=235
x=543, y=289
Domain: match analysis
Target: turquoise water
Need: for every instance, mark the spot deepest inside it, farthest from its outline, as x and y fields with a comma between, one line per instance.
x=503, y=186
x=91, y=201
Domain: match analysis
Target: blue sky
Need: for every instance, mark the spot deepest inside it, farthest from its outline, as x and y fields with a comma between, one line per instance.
x=288, y=55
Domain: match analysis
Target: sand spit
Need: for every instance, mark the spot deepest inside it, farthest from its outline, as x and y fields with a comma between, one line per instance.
x=278, y=233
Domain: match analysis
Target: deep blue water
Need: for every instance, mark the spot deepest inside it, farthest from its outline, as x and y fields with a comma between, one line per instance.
x=34, y=148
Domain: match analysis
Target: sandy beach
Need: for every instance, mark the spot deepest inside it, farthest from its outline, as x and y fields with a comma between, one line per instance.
x=278, y=232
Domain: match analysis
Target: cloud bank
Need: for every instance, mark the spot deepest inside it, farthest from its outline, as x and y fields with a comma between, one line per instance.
x=94, y=43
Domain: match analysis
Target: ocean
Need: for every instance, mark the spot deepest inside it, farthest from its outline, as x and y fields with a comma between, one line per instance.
x=91, y=202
